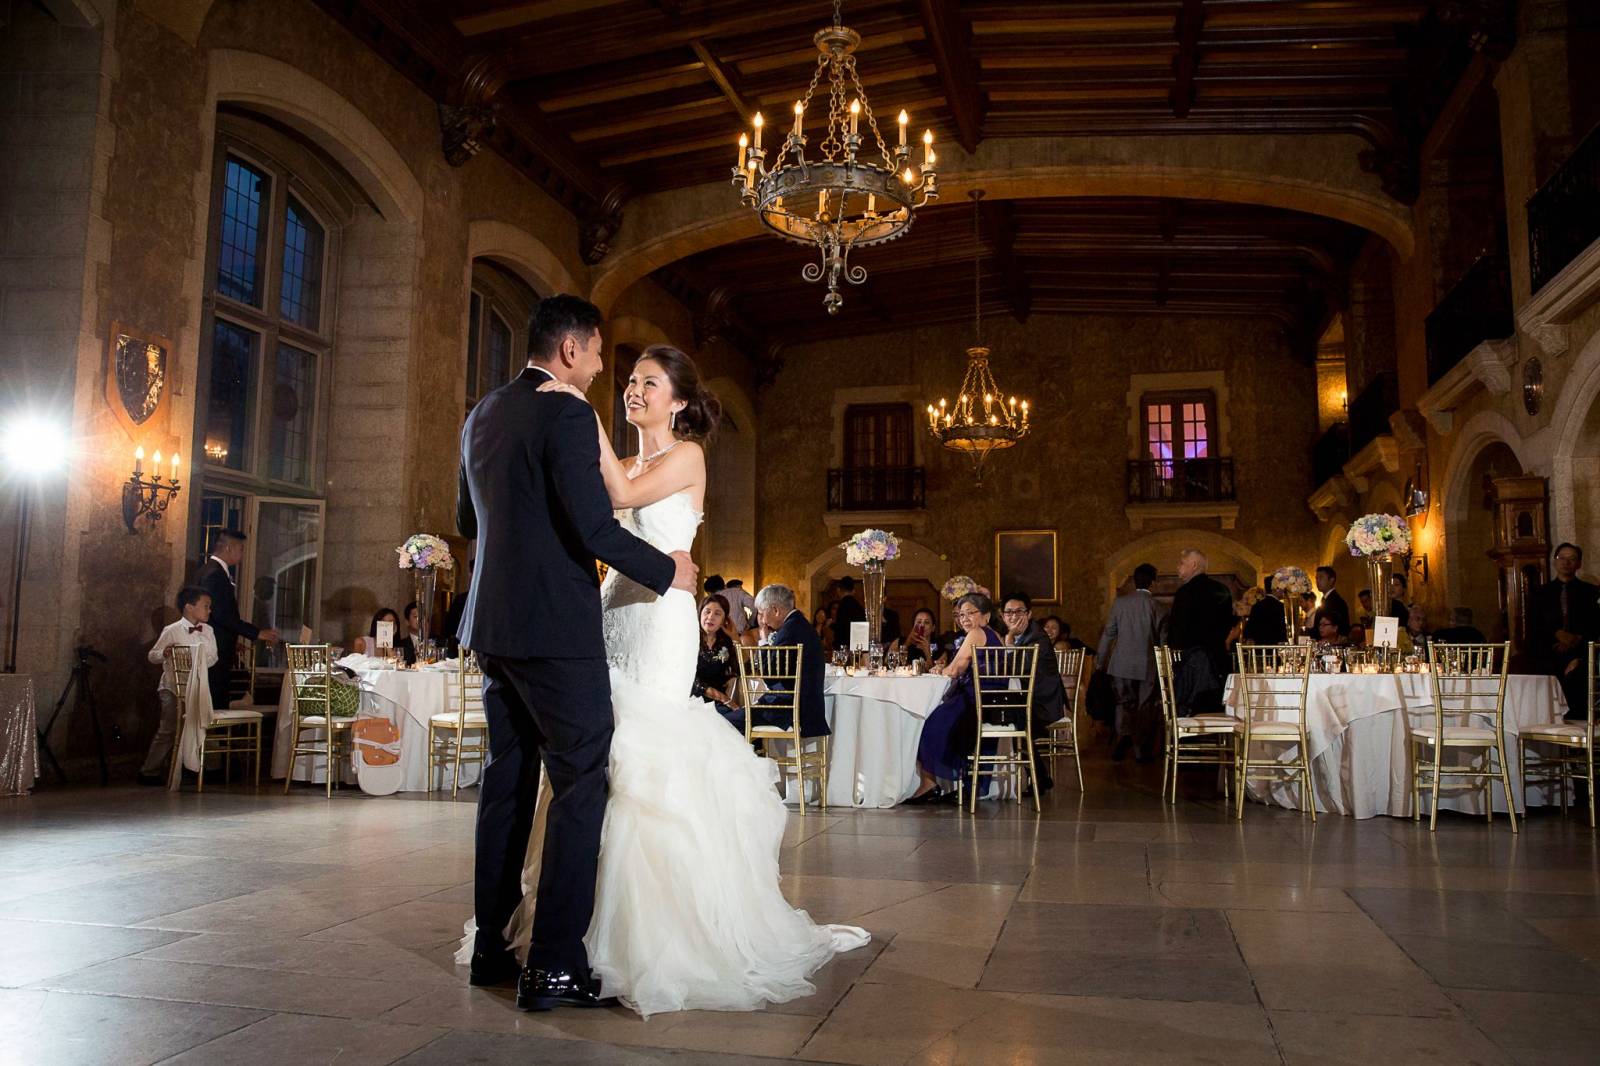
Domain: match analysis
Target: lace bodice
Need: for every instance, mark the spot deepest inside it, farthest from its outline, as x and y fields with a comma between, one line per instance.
x=650, y=637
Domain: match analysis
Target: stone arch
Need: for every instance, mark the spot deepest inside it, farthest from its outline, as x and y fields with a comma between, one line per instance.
x=294, y=97
x=917, y=561
x=729, y=534
x=1162, y=547
x=1321, y=177
x=524, y=254
x=1574, y=460
x=1470, y=580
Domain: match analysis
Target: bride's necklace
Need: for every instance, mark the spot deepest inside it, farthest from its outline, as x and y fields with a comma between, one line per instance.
x=645, y=460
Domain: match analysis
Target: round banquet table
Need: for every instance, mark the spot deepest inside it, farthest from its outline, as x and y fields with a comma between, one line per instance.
x=419, y=693
x=1356, y=727
x=876, y=723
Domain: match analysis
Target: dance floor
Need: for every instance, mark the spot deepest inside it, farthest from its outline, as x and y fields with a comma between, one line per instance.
x=242, y=928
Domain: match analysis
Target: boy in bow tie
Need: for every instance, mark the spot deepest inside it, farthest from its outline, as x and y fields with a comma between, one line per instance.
x=192, y=630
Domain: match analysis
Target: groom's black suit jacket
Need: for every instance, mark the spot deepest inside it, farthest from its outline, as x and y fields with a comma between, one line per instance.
x=532, y=495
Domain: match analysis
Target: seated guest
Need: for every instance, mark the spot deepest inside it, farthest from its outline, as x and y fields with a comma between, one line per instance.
x=1330, y=631
x=1052, y=626
x=1049, y=702
x=1563, y=617
x=191, y=630
x=849, y=610
x=412, y=630
x=1358, y=636
x=820, y=623
x=1067, y=641
x=1365, y=599
x=776, y=614
x=452, y=617
x=716, y=670
x=948, y=734
x=922, y=643
x=1397, y=600
x=1460, y=630
x=889, y=631
x=1265, y=624
x=368, y=645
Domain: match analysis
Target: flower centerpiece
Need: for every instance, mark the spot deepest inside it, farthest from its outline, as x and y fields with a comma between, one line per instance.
x=425, y=555
x=1378, y=538
x=872, y=549
x=1291, y=583
x=959, y=586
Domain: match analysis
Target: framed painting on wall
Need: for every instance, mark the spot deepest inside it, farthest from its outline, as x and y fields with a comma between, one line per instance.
x=1025, y=561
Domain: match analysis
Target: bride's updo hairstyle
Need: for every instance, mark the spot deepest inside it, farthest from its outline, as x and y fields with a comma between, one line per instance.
x=700, y=418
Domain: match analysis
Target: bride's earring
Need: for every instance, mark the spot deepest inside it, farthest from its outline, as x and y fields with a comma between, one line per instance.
x=672, y=423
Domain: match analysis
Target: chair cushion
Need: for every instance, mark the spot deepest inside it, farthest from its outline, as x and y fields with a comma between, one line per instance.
x=771, y=730
x=235, y=716
x=1218, y=723
x=318, y=721
x=1560, y=733
x=1465, y=735
x=1273, y=730
x=996, y=729
x=474, y=719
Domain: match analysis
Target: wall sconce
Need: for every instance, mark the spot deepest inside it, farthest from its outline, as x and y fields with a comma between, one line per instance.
x=146, y=498
x=1416, y=495
x=1417, y=567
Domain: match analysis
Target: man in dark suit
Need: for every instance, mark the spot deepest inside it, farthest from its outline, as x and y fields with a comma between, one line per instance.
x=1202, y=615
x=1049, y=696
x=1332, y=602
x=1266, y=623
x=850, y=610
x=782, y=625
x=1563, y=617
x=531, y=494
x=453, y=616
x=217, y=577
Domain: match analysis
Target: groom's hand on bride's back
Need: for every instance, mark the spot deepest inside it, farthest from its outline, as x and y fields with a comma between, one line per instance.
x=687, y=575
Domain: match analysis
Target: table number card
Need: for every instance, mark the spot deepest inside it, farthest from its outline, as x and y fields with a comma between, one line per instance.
x=385, y=634
x=1385, y=632
x=858, y=637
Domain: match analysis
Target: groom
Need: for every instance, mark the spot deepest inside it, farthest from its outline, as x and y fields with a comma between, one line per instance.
x=531, y=494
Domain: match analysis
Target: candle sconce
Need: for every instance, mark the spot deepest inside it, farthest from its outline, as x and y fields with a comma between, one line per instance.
x=145, y=497
x=1418, y=567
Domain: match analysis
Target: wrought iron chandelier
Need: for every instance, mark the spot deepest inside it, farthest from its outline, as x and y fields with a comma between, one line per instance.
x=999, y=423
x=844, y=199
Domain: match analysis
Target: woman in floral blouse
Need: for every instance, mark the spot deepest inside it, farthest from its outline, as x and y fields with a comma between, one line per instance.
x=717, y=671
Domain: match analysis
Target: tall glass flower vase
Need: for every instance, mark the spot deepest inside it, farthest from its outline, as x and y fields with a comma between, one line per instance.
x=426, y=582
x=1378, y=568
x=872, y=593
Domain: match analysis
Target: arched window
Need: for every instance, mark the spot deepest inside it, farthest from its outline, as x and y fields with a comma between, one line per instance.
x=500, y=309
x=266, y=361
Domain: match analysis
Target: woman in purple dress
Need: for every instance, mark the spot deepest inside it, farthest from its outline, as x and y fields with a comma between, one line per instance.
x=948, y=734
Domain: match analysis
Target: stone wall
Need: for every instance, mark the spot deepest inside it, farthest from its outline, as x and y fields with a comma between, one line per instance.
x=1069, y=474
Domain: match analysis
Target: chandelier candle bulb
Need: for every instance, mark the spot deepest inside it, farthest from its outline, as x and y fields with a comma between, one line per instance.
x=744, y=146
x=855, y=115
x=799, y=115
x=758, y=122
x=138, y=460
x=872, y=204
x=904, y=118
x=927, y=148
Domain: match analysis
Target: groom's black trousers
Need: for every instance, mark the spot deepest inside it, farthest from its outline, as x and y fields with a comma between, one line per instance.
x=557, y=710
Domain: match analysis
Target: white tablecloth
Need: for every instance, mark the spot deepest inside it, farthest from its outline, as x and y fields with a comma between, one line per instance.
x=1357, y=735
x=876, y=724
x=420, y=693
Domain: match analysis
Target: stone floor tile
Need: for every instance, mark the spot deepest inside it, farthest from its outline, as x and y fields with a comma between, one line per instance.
x=1317, y=1038
x=376, y=960
x=310, y=1041
x=1538, y=1027
x=1248, y=897
x=34, y=951
x=505, y=1049
x=963, y=914
x=416, y=923
x=59, y=1029
x=1468, y=963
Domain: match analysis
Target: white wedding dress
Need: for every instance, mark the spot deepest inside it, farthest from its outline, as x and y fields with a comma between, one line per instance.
x=688, y=914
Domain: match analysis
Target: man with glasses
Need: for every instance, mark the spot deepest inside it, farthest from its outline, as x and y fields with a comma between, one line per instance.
x=1049, y=697
x=1563, y=617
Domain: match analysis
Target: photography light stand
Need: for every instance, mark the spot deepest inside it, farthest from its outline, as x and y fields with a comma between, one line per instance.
x=19, y=562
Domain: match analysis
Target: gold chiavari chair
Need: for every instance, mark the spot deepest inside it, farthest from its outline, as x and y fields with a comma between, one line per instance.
x=231, y=731
x=1273, y=680
x=1574, y=744
x=181, y=658
x=1469, y=686
x=460, y=734
x=1061, y=736
x=311, y=673
x=769, y=680
x=1002, y=685
x=1193, y=740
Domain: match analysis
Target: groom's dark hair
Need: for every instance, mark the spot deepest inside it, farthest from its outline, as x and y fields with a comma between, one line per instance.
x=556, y=317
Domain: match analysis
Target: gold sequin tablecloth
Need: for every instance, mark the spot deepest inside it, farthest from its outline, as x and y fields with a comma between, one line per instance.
x=19, y=740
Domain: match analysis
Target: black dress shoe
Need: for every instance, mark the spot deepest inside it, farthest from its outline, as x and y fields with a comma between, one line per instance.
x=932, y=796
x=548, y=989
x=491, y=968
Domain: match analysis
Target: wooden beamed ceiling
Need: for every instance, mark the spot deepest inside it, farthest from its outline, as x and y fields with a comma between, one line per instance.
x=1087, y=255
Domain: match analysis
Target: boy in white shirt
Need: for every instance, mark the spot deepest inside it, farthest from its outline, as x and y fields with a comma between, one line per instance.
x=191, y=629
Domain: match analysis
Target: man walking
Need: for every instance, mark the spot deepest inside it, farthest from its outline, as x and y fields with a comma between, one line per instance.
x=1127, y=654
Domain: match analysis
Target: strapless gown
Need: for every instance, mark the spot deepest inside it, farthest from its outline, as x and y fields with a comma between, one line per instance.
x=688, y=912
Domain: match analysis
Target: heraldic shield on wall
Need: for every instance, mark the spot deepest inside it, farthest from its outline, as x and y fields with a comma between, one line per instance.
x=139, y=375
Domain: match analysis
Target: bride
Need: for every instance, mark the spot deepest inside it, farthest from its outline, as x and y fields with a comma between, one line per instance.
x=688, y=914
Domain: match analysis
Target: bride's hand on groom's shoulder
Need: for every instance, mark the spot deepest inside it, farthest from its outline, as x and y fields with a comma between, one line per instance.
x=561, y=386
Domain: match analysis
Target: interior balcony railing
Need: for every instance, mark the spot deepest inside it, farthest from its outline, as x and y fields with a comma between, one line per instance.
x=1564, y=215
x=1477, y=309
x=1180, y=480
x=877, y=488
x=1331, y=452
x=1370, y=411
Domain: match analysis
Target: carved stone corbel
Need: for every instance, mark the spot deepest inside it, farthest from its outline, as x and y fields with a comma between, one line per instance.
x=769, y=364
x=600, y=225
x=469, y=117
x=1397, y=171
x=1410, y=429
x=714, y=317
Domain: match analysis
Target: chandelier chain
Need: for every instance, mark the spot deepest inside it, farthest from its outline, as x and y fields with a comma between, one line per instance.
x=977, y=277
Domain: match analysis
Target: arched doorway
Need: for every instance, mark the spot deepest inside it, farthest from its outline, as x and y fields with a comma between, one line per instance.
x=1469, y=518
